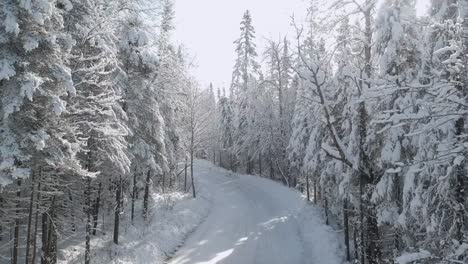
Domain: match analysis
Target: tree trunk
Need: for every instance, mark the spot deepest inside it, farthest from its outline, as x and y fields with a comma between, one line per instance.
x=327, y=221
x=70, y=197
x=36, y=222
x=17, y=224
x=191, y=174
x=346, y=228
x=220, y=158
x=117, y=211
x=192, y=149
x=362, y=242
x=356, y=245
x=272, y=170
x=172, y=178
x=185, y=175
x=134, y=190
x=373, y=249
x=460, y=171
x=307, y=187
x=315, y=191
x=51, y=249
x=460, y=126
x=260, y=163
x=44, y=238
x=374, y=253
x=97, y=205
x=146, y=195
x=1, y=226
x=163, y=182
x=319, y=192
x=30, y=216
x=231, y=162
x=87, y=259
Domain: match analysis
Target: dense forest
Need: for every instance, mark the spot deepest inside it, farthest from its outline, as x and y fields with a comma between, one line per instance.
x=94, y=108
x=364, y=111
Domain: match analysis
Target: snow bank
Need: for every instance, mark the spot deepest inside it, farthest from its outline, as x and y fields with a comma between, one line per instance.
x=172, y=219
x=411, y=257
x=325, y=244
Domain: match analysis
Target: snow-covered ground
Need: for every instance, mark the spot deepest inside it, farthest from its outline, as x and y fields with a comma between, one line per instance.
x=173, y=217
x=236, y=219
x=256, y=221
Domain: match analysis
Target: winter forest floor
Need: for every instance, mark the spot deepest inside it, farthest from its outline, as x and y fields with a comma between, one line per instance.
x=240, y=218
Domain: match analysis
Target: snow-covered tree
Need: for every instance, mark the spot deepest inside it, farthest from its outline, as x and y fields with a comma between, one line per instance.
x=244, y=83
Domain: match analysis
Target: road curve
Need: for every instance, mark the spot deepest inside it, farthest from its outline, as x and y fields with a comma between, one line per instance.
x=249, y=223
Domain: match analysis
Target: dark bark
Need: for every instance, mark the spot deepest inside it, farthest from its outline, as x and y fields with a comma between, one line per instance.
x=44, y=237
x=1, y=226
x=87, y=259
x=172, y=178
x=356, y=245
x=327, y=221
x=36, y=223
x=163, y=182
x=51, y=249
x=373, y=248
x=249, y=166
x=374, y=254
x=319, y=192
x=461, y=169
x=315, y=191
x=346, y=228
x=96, y=208
x=185, y=175
x=146, y=195
x=194, y=193
x=231, y=162
x=293, y=178
x=117, y=211
x=362, y=242
x=460, y=187
x=30, y=216
x=260, y=163
x=272, y=170
x=70, y=197
x=17, y=226
x=192, y=149
x=399, y=200
x=134, y=190
x=307, y=187
x=220, y=158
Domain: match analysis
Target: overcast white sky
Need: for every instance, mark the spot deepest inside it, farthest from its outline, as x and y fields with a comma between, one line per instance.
x=208, y=29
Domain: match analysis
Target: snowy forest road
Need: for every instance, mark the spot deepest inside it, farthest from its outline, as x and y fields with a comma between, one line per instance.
x=250, y=222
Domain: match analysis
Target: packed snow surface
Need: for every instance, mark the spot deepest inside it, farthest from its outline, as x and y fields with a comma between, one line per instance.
x=258, y=221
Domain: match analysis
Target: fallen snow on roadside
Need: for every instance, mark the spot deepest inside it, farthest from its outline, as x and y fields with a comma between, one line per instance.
x=172, y=219
x=324, y=244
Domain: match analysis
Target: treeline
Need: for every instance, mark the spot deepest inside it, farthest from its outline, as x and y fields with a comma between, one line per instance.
x=365, y=112
x=93, y=117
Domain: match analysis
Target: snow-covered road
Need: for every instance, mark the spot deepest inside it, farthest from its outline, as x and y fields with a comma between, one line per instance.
x=252, y=221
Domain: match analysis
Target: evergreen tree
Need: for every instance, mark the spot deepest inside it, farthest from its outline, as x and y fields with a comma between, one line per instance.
x=244, y=83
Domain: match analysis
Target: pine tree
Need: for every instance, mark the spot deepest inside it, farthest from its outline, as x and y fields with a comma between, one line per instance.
x=34, y=58
x=244, y=83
